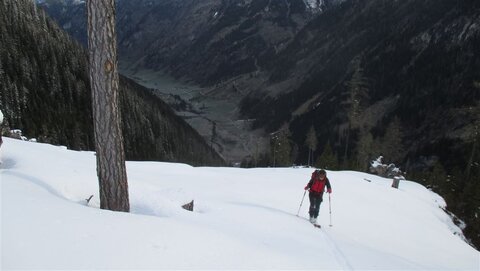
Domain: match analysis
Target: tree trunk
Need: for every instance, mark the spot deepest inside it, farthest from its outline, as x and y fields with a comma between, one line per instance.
x=470, y=159
x=102, y=47
x=345, y=157
x=309, y=152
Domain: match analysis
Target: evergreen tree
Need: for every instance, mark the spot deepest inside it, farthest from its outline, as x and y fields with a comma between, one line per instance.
x=311, y=142
x=437, y=177
x=328, y=159
x=470, y=196
x=213, y=137
x=357, y=89
x=391, y=145
x=281, y=149
x=474, y=140
x=364, y=151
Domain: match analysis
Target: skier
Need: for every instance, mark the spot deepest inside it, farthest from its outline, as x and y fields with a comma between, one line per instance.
x=316, y=187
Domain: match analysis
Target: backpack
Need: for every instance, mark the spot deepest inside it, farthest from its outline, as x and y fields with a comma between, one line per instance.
x=317, y=185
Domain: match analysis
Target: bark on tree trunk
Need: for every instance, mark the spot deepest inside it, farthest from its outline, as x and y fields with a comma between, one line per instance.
x=102, y=47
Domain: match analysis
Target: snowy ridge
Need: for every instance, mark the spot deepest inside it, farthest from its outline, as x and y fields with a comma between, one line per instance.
x=243, y=219
x=66, y=2
x=319, y=5
x=314, y=4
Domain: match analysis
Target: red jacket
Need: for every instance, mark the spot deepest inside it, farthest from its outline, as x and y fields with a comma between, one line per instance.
x=317, y=185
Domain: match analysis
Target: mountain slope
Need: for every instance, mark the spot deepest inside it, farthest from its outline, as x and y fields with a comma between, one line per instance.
x=201, y=41
x=394, y=78
x=399, y=79
x=205, y=41
x=286, y=60
x=235, y=224
x=46, y=93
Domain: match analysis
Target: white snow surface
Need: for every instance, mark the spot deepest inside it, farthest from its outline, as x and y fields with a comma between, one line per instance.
x=243, y=219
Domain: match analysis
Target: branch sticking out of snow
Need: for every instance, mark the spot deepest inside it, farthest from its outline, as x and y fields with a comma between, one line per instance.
x=188, y=206
x=89, y=198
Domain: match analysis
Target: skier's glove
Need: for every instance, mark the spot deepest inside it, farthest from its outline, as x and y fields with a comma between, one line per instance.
x=306, y=187
x=329, y=190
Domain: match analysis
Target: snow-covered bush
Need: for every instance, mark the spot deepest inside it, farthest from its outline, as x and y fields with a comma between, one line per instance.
x=16, y=133
x=388, y=171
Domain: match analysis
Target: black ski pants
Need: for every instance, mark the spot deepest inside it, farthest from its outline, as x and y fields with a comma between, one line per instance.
x=315, y=200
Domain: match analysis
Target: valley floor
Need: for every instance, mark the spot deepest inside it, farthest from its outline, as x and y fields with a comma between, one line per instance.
x=212, y=112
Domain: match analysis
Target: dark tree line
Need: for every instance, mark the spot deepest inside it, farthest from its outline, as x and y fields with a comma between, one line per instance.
x=45, y=92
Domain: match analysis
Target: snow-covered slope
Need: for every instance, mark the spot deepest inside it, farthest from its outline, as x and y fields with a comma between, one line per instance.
x=243, y=219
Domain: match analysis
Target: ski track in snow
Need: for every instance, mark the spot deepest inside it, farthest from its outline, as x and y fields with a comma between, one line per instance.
x=337, y=252
x=340, y=257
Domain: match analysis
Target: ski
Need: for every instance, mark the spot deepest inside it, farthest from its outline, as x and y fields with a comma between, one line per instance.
x=314, y=224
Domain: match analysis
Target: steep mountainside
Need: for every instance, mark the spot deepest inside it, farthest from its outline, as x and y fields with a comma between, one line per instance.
x=363, y=77
x=397, y=78
x=415, y=61
x=211, y=43
x=207, y=41
x=282, y=58
x=45, y=92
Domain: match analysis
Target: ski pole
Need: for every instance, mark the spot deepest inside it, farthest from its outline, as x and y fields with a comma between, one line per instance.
x=301, y=202
x=330, y=207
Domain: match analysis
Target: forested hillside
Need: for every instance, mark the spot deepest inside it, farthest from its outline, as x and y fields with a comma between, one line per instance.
x=45, y=92
x=394, y=78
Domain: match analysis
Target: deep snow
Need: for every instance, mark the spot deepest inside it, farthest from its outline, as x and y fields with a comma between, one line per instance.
x=243, y=219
